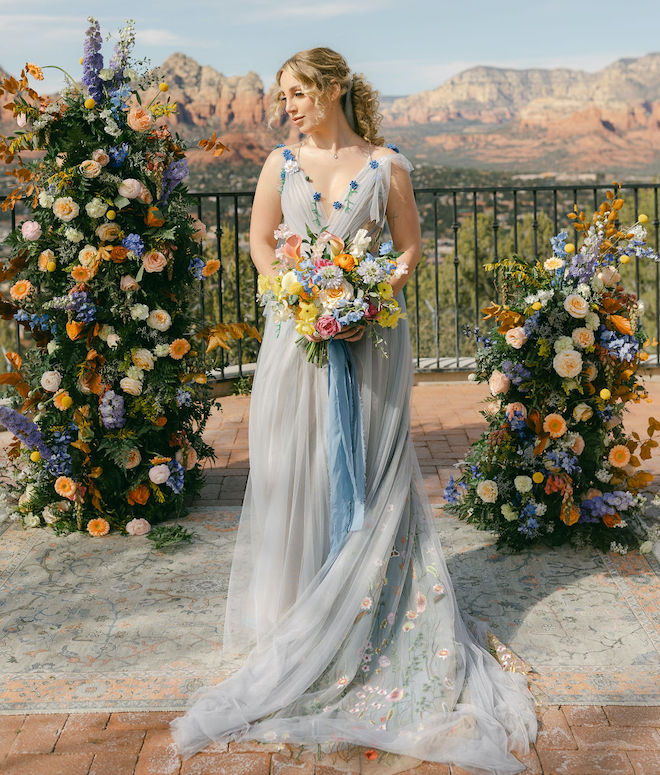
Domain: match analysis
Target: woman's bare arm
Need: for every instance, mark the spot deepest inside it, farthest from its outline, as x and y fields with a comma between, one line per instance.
x=266, y=214
x=403, y=220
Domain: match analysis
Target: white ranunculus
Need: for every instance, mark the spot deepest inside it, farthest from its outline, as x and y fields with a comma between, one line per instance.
x=52, y=347
x=50, y=381
x=31, y=520
x=161, y=350
x=46, y=200
x=97, y=208
x=143, y=359
x=159, y=474
x=139, y=312
x=130, y=188
x=592, y=321
x=487, y=490
x=508, y=512
x=74, y=235
x=563, y=343
x=133, y=372
x=523, y=483
x=106, y=74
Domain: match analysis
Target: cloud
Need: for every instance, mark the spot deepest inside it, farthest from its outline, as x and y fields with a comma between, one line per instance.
x=156, y=37
x=308, y=9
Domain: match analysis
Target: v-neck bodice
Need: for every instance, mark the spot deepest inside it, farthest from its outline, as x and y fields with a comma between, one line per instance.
x=363, y=206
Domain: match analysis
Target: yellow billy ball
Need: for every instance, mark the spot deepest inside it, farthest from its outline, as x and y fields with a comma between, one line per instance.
x=111, y=215
x=643, y=218
x=537, y=305
x=605, y=394
x=51, y=266
x=163, y=87
x=569, y=247
x=89, y=103
x=624, y=259
x=35, y=456
x=66, y=402
x=81, y=60
x=537, y=477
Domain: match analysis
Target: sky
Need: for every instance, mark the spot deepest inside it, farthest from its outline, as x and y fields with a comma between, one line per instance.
x=402, y=46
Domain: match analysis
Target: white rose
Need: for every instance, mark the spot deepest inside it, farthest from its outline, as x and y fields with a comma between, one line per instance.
x=567, y=363
x=90, y=169
x=131, y=386
x=50, y=381
x=52, y=347
x=159, y=474
x=160, y=320
x=97, y=208
x=143, y=359
x=576, y=306
x=523, y=483
x=45, y=199
x=73, y=235
x=31, y=520
x=516, y=337
x=487, y=490
x=139, y=312
x=106, y=74
x=130, y=188
x=65, y=208
x=563, y=343
x=583, y=337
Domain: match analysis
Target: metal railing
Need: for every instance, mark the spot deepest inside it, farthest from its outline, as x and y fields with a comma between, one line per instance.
x=463, y=228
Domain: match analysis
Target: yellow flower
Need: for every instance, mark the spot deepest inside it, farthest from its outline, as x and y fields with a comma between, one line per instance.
x=624, y=259
x=569, y=247
x=51, y=266
x=163, y=86
x=642, y=218
x=537, y=305
x=111, y=215
x=303, y=327
x=35, y=456
x=537, y=477
x=385, y=290
x=307, y=311
x=605, y=394
x=89, y=103
x=263, y=283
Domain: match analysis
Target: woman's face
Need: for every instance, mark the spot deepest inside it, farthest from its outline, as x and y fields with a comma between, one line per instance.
x=299, y=106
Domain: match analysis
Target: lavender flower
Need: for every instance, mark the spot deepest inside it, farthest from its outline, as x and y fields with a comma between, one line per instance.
x=24, y=429
x=93, y=60
x=558, y=243
x=529, y=528
x=112, y=410
x=173, y=175
x=84, y=310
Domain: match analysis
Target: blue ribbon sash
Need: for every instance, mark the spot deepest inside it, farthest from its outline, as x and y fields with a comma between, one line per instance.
x=345, y=445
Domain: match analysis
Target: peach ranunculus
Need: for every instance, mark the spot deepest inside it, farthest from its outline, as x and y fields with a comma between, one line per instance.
x=108, y=232
x=101, y=157
x=609, y=276
x=178, y=348
x=81, y=274
x=578, y=445
x=98, y=527
x=90, y=168
x=512, y=408
x=138, y=527
x=159, y=319
x=154, y=261
x=65, y=487
x=567, y=363
x=212, y=266
x=19, y=290
x=554, y=424
x=576, y=306
x=582, y=412
x=583, y=337
x=516, y=337
x=128, y=283
x=138, y=495
x=619, y=456
x=145, y=196
x=498, y=382
x=143, y=359
x=345, y=261
x=45, y=257
x=487, y=490
x=65, y=208
x=31, y=230
x=133, y=458
x=187, y=456
x=129, y=188
x=139, y=119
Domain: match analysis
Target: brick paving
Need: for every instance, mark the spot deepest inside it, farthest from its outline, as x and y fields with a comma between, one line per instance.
x=572, y=740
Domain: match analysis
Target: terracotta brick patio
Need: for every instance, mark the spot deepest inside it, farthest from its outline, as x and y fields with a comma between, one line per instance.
x=573, y=740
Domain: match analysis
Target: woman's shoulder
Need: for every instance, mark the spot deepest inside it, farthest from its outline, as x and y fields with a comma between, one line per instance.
x=390, y=152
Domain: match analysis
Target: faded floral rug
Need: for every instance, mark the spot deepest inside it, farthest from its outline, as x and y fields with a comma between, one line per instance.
x=112, y=625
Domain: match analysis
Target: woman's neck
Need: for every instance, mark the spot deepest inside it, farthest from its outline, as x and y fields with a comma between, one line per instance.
x=332, y=135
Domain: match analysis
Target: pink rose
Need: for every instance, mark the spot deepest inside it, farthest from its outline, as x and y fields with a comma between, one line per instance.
x=516, y=337
x=609, y=276
x=159, y=474
x=498, y=383
x=127, y=283
x=31, y=230
x=327, y=326
x=371, y=313
x=100, y=156
x=130, y=188
x=578, y=445
x=154, y=261
x=137, y=527
x=319, y=262
x=515, y=406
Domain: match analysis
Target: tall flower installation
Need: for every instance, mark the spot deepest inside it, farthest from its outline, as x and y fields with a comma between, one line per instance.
x=556, y=464
x=108, y=410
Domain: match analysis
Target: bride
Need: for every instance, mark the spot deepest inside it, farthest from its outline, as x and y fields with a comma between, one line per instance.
x=361, y=644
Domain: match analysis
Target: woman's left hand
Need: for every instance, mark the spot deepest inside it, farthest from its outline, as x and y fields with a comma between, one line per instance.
x=350, y=334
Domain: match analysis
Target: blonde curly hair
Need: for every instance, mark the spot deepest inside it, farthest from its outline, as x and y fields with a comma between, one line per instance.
x=317, y=69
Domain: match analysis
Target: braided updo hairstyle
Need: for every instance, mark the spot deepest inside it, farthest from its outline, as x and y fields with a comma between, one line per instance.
x=317, y=69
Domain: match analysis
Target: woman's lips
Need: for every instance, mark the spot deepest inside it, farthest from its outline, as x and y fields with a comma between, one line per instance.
x=298, y=118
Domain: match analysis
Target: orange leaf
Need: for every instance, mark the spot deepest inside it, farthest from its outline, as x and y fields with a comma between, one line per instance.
x=622, y=324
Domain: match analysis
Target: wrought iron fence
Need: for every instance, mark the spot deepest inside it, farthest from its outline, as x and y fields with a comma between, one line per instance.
x=463, y=228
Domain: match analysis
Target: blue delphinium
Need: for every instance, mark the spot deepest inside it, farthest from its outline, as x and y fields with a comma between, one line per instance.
x=80, y=305
x=117, y=155
x=173, y=175
x=93, y=60
x=183, y=397
x=175, y=481
x=451, y=493
x=24, y=429
x=621, y=346
x=195, y=267
x=558, y=243
x=529, y=528
x=516, y=372
x=385, y=248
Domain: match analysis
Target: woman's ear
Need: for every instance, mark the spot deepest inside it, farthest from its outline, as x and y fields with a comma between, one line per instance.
x=335, y=91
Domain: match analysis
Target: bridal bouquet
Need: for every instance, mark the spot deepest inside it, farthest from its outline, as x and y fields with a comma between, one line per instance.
x=327, y=285
x=561, y=363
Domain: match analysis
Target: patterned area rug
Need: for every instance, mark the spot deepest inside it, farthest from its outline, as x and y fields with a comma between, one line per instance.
x=112, y=624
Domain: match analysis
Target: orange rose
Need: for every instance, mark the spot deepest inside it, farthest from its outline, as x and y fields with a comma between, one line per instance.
x=154, y=261
x=179, y=348
x=118, y=254
x=138, y=495
x=345, y=261
x=161, y=421
x=20, y=290
x=211, y=267
x=139, y=119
